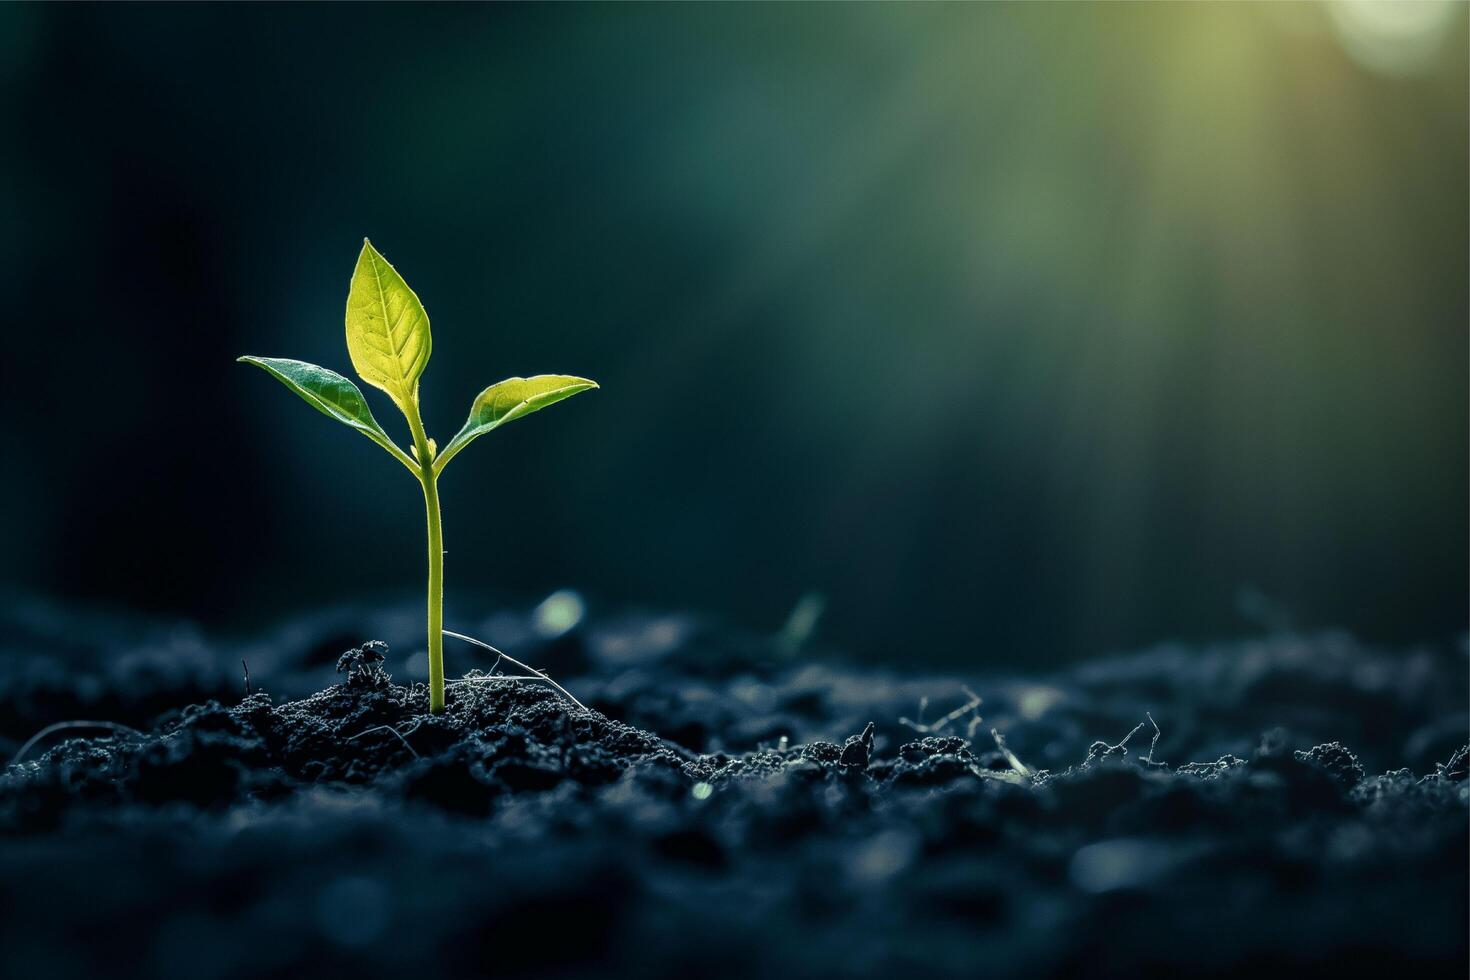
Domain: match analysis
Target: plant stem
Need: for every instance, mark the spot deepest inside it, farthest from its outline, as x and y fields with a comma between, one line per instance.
x=436, y=591
x=430, y=483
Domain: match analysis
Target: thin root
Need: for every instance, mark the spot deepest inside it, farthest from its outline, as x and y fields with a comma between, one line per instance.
x=1124, y=743
x=955, y=715
x=974, y=723
x=397, y=734
x=62, y=726
x=1016, y=764
x=535, y=675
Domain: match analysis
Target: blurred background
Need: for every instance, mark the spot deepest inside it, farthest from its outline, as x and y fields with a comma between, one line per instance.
x=1017, y=333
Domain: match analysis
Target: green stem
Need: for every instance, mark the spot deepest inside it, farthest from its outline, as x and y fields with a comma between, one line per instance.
x=430, y=483
x=436, y=592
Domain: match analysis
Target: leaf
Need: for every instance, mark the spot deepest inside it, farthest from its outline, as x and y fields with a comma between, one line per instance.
x=387, y=329
x=507, y=401
x=332, y=395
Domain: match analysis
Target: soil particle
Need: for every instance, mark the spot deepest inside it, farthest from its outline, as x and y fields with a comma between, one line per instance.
x=364, y=667
x=1334, y=760
x=1211, y=770
x=1457, y=769
x=857, y=749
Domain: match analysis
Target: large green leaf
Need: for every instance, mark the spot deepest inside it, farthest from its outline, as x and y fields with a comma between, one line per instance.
x=507, y=401
x=332, y=395
x=387, y=329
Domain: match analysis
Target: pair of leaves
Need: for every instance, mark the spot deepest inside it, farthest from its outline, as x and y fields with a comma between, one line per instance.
x=389, y=343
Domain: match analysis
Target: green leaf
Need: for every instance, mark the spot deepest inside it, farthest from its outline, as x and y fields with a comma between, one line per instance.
x=387, y=329
x=507, y=401
x=332, y=395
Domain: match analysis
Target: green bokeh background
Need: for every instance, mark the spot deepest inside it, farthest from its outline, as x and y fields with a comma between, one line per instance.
x=1020, y=332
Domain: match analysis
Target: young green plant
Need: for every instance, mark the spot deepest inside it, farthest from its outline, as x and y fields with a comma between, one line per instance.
x=388, y=342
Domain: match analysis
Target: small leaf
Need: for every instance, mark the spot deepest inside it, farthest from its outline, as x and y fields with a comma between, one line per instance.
x=507, y=401
x=331, y=394
x=387, y=329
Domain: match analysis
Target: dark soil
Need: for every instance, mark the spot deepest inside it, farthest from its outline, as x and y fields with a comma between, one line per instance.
x=722, y=808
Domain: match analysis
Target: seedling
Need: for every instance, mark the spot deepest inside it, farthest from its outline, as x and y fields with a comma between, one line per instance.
x=388, y=342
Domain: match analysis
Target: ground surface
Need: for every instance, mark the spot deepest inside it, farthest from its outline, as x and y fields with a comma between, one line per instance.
x=722, y=807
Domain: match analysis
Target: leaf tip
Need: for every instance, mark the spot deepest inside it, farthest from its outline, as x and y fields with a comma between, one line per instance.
x=368, y=249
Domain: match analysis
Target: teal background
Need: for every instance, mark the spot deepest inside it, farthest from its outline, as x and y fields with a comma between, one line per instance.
x=1020, y=332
